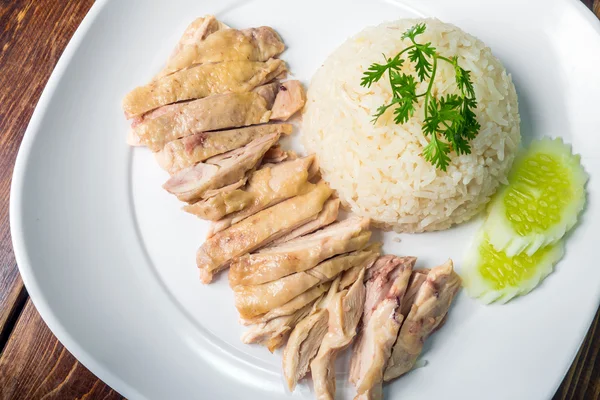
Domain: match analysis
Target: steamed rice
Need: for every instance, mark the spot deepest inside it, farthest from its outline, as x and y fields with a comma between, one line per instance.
x=377, y=170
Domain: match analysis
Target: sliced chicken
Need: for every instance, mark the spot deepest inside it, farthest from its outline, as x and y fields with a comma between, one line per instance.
x=428, y=310
x=190, y=184
x=385, y=291
x=186, y=152
x=291, y=306
x=259, y=230
x=345, y=311
x=416, y=280
x=305, y=339
x=254, y=44
x=326, y=217
x=268, y=92
x=290, y=99
x=390, y=280
x=373, y=349
x=201, y=81
x=225, y=189
x=192, y=119
x=254, y=300
x=194, y=34
x=274, y=332
x=300, y=254
x=275, y=155
x=267, y=186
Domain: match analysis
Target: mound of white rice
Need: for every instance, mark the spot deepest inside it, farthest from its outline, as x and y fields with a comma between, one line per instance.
x=377, y=170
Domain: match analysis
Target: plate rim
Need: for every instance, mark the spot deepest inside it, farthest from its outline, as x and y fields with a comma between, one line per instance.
x=18, y=240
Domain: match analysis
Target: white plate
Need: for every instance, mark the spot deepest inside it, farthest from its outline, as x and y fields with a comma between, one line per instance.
x=108, y=257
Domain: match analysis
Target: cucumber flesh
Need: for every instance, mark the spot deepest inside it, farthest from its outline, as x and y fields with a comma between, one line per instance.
x=545, y=195
x=493, y=276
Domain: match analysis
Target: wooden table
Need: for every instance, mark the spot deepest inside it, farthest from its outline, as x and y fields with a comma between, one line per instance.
x=33, y=363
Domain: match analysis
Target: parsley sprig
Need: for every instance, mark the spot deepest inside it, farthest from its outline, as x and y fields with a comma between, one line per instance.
x=449, y=122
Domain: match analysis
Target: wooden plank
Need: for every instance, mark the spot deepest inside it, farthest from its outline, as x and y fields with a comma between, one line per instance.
x=583, y=379
x=35, y=365
x=33, y=35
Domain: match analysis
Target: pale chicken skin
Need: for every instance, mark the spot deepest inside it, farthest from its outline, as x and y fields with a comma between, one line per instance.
x=193, y=35
x=254, y=300
x=385, y=290
x=259, y=230
x=192, y=120
x=327, y=216
x=300, y=254
x=345, y=311
x=185, y=152
x=291, y=306
x=192, y=183
x=253, y=44
x=429, y=309
x=202, y=81
x=267, y=186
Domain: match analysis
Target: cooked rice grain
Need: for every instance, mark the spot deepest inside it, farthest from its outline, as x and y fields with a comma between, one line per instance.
x=377, y=170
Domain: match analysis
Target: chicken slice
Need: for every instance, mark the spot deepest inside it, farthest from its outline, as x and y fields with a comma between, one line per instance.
x=416, y=280
x=259, y=230
x=300, y=254
x=291, y=306
x=373, y=349
x=290, y=99
x=254, y=300
x=275, y=155
x=225, y=189
x=202, y=81
x=390, y=279
x=185, y=152
x=385, y=290
x=190, y=184
x=267, y=186
x=327, y=216
x=305, y=339
x=193, y=35
x=254, y=44
x=345, y=311
x=429, y=308
x=192, y=120
x=274, y=332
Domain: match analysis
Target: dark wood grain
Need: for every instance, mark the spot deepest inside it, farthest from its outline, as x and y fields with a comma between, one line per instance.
x=583, y=379
x=33, y=35
x=33, y=364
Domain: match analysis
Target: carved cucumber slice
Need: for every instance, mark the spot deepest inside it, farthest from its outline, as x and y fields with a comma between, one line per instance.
x=541, y=203
x=493, y=276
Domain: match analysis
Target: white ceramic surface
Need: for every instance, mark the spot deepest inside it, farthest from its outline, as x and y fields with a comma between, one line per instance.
x=108, y=257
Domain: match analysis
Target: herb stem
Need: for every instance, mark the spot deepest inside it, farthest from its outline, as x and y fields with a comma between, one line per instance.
x=430, y=85
x=449, y=120
x=446, y=59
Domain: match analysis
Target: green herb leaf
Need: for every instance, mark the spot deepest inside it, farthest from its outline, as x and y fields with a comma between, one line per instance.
x=463, y=79
x=449, y=122
x=436, y=152
x=414, y=31
x=376, y=71
x=420, y=56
